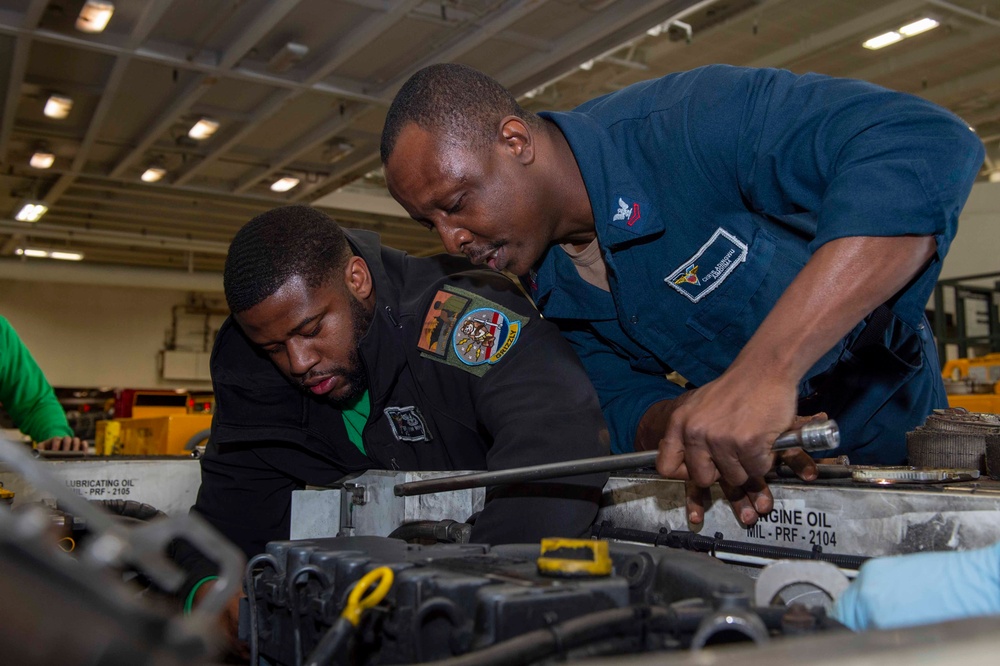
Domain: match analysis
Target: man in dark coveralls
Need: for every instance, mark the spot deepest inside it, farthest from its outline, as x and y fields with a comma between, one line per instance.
x=324, y=369
x=770, y=237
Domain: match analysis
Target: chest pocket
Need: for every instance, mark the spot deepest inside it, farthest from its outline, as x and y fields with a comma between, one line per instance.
x=718, y=310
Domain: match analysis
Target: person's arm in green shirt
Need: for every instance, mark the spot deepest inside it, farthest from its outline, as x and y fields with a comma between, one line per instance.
x=28, y=397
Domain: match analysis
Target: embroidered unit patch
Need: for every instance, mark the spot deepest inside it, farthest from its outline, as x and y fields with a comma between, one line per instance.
x=709, y=267
x=484, y=335
x=407, y=424
x=489, y=335
x=439, y=322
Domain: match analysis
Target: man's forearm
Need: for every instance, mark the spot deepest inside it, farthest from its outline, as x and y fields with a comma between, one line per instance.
x=845, y=280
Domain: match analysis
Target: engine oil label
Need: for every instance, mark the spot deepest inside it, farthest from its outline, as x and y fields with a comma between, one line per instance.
x=792, y=523
x=103, y=488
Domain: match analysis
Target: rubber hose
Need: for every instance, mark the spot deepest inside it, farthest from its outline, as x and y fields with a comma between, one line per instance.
x=535, y=645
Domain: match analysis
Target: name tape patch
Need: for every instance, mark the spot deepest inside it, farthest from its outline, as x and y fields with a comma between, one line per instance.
x=709, y=267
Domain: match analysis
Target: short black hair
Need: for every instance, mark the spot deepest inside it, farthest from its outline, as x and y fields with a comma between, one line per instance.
x=458, y=99
x=277, y=245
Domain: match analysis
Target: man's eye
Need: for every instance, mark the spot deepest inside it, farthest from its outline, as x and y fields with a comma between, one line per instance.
x=271, y=351
x=313, y=333
x=457, y=207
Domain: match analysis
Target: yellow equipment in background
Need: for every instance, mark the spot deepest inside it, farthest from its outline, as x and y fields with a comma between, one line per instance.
x=162, y=423
x=973, y=383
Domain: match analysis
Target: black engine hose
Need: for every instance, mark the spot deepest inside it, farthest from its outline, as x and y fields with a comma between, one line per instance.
x=441, y=531
x=541, y=643
x=130, y=509
x=716, y=544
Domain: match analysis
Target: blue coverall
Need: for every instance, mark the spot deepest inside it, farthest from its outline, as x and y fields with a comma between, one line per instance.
x=710, y=191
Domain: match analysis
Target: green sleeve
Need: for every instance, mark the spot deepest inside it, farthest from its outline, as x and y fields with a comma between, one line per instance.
x=25, y=393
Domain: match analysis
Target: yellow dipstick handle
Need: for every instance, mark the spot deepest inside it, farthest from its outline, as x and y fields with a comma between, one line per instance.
x=357, y=604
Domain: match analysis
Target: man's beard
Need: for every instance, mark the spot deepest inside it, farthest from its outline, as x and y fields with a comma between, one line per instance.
x=357, y=378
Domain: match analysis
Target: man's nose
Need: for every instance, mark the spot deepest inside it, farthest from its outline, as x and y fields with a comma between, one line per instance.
x=301, y=357
x=454, y=238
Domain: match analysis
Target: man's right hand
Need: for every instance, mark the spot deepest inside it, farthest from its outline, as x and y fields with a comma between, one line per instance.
x=63, y=444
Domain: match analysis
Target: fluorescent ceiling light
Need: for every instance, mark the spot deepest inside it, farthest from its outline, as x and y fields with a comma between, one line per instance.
x=94, y=16
x=284, y=184
x=909, y=30
x=882, y=40
x=42, y=159
x=917, y=27
x=204, y=128
x=31, y=211
x=49, y=254
x=58, y=106
x=153, y=174
x=66, y=256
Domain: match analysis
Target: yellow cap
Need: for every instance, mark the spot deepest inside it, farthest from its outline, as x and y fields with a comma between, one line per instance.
x=574, y=557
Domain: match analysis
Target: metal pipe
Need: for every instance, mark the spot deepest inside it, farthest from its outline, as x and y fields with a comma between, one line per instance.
x=815, y=436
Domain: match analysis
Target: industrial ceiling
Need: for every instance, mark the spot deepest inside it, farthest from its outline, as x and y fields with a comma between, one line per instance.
x=299, y=88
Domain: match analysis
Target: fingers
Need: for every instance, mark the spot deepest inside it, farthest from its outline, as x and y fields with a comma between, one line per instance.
x=800, y=421
x=52, y=444
x=749, y=501
x=801, y=463
x=63, y=444
x=698, y=501
x=73, y=444
x=688, y=449
x=670, y=462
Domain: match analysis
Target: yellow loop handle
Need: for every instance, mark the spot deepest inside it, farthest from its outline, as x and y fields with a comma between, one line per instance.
x=67, y=544
x=356, y=604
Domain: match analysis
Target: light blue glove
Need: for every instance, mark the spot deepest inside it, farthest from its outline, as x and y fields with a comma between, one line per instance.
x=924, y=588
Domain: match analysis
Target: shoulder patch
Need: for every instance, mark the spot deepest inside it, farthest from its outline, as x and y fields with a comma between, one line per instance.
x=467, y=331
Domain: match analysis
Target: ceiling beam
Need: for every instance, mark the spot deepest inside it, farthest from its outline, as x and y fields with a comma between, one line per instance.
x=118, y=238
x=258, y=27
x=18, y=66
x=306, y=142
x=811, y=44
x=151, y=14
x=947, y=93
x=158, y=54
x=601, y=34
x=486, y=28
x=947, y=48
x=509, y=12
x=369, y=30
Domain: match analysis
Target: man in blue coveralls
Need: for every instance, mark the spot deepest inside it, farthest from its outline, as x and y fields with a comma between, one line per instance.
x=772, y=238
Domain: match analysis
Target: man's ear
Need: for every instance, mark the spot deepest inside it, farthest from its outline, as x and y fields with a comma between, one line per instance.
x=358, y=278
x=518, y=139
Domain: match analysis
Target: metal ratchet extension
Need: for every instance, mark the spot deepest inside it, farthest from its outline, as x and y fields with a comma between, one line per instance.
x=813, y=436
